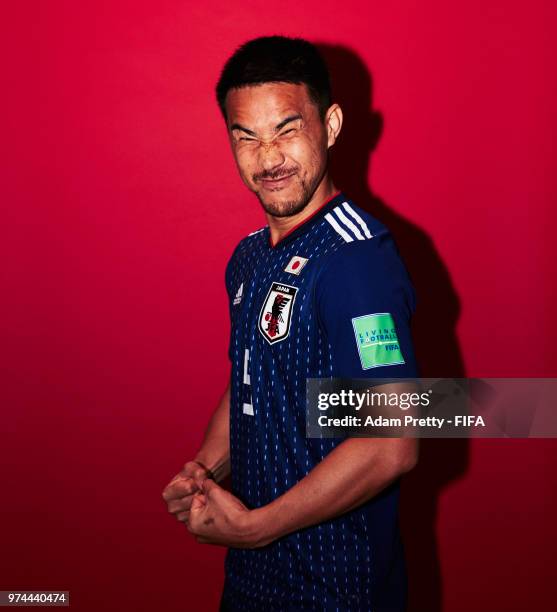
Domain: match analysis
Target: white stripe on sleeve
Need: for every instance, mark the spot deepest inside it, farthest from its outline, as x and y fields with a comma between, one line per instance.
x=342, y=217
x=357, y=217
x=338, y=229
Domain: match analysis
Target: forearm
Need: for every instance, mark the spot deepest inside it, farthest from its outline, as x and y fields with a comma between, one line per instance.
x=214, y=452
x=354, y=472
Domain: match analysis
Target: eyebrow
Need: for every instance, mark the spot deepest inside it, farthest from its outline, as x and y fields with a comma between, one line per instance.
x=237, y=126
x=278, y=127
x=287, y=121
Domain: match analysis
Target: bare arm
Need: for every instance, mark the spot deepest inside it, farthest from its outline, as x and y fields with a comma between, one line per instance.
x=354, y=472
x=214, y=453
x=351, y=474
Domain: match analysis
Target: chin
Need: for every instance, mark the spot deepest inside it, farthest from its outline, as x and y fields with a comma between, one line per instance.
x=283, y=208
x=285, y=204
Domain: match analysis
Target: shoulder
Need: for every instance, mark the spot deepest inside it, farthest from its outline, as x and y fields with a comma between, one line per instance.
x=253, y=240
x=364, y=242
x=352, y=223
x=247, y=248
x=367, y=264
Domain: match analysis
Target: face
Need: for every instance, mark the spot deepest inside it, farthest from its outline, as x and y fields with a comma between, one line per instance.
x=280, y=143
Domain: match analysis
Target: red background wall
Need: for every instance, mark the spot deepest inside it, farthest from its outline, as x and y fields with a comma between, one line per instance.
x=121, y=206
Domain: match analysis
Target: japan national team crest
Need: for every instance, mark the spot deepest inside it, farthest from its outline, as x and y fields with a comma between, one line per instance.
x=274, y=319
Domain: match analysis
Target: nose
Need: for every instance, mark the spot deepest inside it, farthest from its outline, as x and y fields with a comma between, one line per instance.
x=270, y=156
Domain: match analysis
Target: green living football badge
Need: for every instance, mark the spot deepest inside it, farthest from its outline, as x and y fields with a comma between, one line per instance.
x=377, y=340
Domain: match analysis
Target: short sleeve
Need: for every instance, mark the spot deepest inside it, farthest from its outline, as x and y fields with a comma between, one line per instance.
x=365, y=301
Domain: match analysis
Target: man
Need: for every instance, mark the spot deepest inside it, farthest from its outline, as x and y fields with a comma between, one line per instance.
x=311, y=524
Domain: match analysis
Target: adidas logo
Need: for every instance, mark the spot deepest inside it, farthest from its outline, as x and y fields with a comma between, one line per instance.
x=239, y=294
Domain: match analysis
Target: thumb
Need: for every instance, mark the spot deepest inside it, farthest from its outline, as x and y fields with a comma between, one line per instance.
x=199, y=478
x=199, y=474
x=197, y=503
x=209, y=486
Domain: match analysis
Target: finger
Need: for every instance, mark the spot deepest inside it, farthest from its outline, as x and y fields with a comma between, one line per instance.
x=209, y=487
x=179, y=505
x=194, y=470
x=180, y=488
x=191, y=525
x=199, y=474
x=175, y=506
x=183, y=516
x=199, y=480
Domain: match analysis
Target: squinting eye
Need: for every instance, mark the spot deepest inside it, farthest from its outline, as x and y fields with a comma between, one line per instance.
x=287, y=132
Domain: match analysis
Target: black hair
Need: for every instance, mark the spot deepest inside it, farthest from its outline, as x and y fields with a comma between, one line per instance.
x=277, y=59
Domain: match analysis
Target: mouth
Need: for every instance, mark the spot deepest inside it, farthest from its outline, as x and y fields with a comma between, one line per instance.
x=276, y=184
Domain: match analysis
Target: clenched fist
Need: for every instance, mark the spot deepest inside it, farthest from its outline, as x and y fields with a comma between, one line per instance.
x=179, y=492
x=218, y=517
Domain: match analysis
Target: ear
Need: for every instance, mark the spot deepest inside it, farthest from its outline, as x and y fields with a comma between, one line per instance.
x=333, y=124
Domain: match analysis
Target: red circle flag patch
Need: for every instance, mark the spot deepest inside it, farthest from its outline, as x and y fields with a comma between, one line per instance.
x=296, y=264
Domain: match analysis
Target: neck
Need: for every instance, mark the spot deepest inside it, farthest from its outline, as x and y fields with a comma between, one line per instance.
x=280, y=226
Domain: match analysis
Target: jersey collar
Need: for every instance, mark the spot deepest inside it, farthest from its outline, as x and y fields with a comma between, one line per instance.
x=308, y=222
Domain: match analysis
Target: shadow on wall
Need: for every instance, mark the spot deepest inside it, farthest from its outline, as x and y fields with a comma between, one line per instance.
x=438, y=307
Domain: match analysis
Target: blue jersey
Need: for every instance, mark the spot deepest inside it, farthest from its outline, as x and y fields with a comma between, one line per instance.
x=313, y=306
